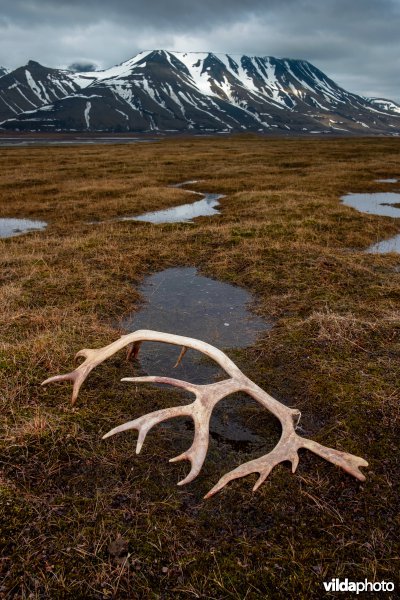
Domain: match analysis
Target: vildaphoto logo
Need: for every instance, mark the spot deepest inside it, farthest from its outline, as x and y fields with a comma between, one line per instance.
x=337, y=585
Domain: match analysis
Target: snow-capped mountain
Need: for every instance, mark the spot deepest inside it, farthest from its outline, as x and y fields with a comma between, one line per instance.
x=32, y=86
x=384, y=104
x=3, y=71
x=176, y=91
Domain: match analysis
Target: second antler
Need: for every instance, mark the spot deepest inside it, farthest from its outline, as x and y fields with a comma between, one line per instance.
x=206, y=397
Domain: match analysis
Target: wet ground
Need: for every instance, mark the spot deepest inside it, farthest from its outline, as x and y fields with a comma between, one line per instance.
x=12, y=227
x=386, y=204
x=180, y=301
x=184, y=213
x=385, y=246
x=380, y=203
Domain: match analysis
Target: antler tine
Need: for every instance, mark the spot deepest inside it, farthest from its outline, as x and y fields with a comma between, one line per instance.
x=181, y=355
x=348, y=462
x=77, y=377
x=133, y=350
x=200, y=411
x=287, y=450
x=145, y=423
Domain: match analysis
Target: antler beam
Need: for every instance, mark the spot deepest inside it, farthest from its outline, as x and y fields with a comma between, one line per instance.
x=206, y=397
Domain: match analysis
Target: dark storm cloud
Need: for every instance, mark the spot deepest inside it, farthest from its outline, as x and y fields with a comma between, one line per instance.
x=82, y=67
x=158, y=12
x=356, y=42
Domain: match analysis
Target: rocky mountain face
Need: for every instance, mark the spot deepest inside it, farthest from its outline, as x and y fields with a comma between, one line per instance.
x=385, y=105
x=190, y=92
x=33, y=86
x=3, y=71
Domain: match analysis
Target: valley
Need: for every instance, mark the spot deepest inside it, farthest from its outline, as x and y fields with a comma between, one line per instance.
x=310, y=316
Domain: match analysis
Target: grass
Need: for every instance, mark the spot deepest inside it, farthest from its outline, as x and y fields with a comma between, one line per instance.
x=86, y=518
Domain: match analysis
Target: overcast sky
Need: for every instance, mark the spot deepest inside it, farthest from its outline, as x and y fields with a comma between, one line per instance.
x=355, y=42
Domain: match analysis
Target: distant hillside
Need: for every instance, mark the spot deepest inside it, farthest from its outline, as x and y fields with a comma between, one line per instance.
x=190, y=92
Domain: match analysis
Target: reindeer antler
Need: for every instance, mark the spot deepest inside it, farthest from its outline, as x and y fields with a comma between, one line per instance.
x=206, y=397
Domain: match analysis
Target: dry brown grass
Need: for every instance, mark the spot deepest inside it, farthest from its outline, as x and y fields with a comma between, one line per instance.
x=65, y=495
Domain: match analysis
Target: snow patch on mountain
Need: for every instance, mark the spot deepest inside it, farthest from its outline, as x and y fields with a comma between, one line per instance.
x=384, y=104
x=37, y=88
x=117, y=72
x=87, y=114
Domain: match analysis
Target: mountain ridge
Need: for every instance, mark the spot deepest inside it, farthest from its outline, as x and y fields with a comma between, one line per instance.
x=160, y=90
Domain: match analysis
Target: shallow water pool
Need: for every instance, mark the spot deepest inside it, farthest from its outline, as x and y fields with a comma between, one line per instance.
x=10, y=227
x=180, y=301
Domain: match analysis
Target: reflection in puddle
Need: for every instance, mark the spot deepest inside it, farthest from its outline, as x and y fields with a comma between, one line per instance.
x=180, y=301
x=386, y=180
x=391, y=245
x=382, y=204
x=184, y=213
x=374, y=204
x=12, y=227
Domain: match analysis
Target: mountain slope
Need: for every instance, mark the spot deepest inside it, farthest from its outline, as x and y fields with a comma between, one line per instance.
x=163, y=91
x=32, y=86
x=385, y=105
x=3, y=71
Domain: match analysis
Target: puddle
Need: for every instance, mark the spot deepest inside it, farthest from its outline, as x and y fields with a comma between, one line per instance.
x=180, y=301
x=391, y=245
x=386, y=180
x=374, y=204
x=12, y=227
x=184, y=213
x=378, y=204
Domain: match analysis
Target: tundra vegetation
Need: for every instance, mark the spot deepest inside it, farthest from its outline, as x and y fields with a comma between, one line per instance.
x=83, y=517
